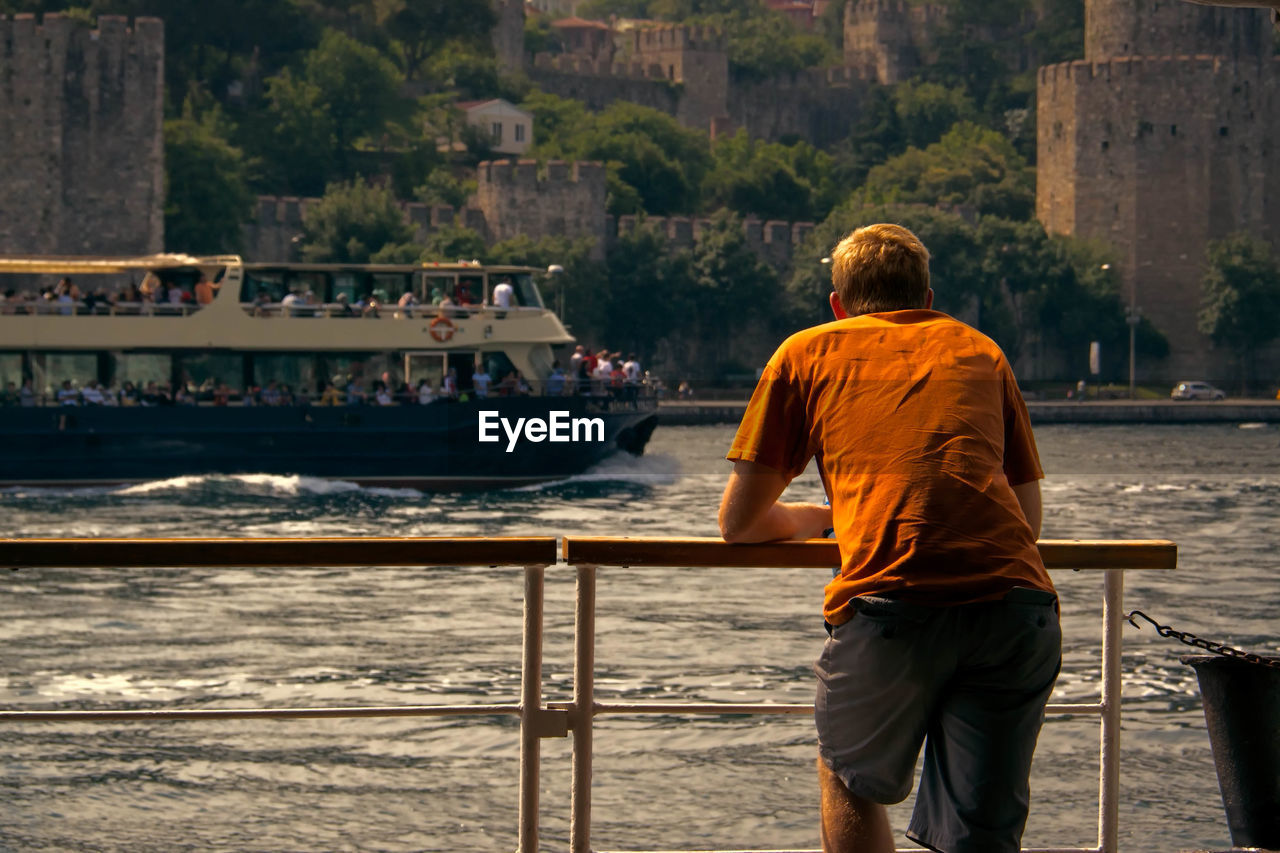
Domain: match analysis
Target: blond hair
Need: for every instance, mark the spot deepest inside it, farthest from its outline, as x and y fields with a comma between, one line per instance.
x=880, y=267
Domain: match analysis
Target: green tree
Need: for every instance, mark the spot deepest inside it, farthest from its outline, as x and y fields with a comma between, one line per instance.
x=345, y=91
x=731, y=288
x=453, y=243
x=353, y=222
x=971, y=165
x=655, y=165
x=926, y=111
x=769, y=180
x=207, y=197
x=766, y=44
x=421, y=28
x=1241, y=307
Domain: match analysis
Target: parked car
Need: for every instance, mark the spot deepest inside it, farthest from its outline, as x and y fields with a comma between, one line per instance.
x=1197, y=391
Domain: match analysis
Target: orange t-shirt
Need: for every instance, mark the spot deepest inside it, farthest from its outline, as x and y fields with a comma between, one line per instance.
x=920, y=433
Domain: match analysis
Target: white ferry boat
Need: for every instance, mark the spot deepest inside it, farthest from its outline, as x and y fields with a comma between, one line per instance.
x=436, y=376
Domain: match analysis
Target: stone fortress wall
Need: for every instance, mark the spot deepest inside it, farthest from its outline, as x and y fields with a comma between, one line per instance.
x=564, y=200
x=81, y=131
x=684, y=71
x=1157, y=154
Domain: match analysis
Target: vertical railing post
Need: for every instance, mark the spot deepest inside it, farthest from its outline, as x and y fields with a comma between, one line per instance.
x=583, y=716
x=530, y=707
x=1109, y=770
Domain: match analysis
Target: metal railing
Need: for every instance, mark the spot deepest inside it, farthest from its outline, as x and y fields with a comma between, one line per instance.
x=559, y=719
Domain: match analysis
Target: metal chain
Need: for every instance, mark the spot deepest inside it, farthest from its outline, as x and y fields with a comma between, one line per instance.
x=1200, y=643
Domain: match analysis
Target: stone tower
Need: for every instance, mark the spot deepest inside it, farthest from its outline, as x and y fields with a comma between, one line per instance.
x=81, y=128
x=1163, y=139
x=508, y=34
x=698, y=57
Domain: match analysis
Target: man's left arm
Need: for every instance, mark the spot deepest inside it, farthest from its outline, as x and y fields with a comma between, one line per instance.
x=751, y=512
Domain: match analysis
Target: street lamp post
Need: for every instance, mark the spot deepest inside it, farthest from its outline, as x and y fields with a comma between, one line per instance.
x=1132, y=316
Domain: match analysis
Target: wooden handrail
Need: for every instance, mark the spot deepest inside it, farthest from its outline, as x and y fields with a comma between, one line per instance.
x=348, y=551
x=825, y=553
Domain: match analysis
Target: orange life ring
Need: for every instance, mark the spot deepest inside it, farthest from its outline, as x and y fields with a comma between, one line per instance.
x=441, y=329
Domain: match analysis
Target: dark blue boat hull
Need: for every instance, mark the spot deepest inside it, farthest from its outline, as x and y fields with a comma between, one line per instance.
x=431, y=447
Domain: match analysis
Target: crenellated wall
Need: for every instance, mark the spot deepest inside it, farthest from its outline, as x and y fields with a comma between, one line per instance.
x=276, y=231
x=818, y=105
x=888, y=40
x=567, y=199
x=81, y=131
x=1157, y=155
x=773, y=241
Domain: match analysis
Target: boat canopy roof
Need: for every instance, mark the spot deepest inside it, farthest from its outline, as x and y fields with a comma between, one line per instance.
x=90, y=264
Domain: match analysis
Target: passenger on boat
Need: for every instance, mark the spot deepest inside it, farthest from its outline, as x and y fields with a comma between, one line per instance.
x=480, y=381
x=942, y=619
x=205, y=290
x=344, y=306
x=406, y=303
x=556, y=381
x=66, y=294
x=449, y=385
x=221, y=394
x=91, y=394
x=426, y=394
x=128, y=394
x=271, y=394
x=329, y=394
x=355, y=393
x=503, y=293
x=68, y=396
x=381, y=393
x=10, y=396
x=27, y=394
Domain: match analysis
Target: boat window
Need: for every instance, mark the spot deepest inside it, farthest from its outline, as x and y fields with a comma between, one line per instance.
x=269, y=282
x=348, y=284
x=464, y=363
x=11, y=369
x=497, y=365
x=51, y=368
x=141, y=368
x=424, y=365
x=389, y=287
x=433, y=282
x=469, y=290
x=527, y=292
x=207, y=369
x=302, y=282
x=296, y=371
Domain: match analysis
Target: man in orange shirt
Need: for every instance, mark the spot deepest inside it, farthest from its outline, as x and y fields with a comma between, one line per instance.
x=942, y=621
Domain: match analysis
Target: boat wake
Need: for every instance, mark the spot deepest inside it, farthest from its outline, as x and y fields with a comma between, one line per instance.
x=650, y=470
x=247, y=485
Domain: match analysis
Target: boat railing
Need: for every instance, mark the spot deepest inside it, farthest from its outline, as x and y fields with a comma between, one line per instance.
x=106, y=307
x=624, y=398
x=385, y=311
x=585, y=556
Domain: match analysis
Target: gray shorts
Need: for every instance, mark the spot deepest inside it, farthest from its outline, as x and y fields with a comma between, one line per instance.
x=970, y=682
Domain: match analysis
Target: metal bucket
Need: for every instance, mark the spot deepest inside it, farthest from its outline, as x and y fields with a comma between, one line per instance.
x=1242, y=711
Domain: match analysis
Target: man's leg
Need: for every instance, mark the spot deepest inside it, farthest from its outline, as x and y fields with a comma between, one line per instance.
x=851, y=824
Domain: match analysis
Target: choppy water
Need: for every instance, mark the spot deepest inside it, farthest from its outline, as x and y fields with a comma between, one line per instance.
x=236, y=638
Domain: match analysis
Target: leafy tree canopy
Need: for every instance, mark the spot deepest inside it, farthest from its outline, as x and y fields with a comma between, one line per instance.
x=655, y=165
x=769, y=180
x=353, y=222
x=1241, y=307
x=971, y=165
x=207, y=194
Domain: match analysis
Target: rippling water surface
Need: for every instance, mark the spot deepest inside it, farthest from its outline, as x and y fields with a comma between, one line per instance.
x=113, y=638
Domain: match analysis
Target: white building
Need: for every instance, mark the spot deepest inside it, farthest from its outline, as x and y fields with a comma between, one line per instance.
x=509, y=128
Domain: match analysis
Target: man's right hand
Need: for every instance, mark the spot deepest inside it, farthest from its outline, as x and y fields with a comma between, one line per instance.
x=751, y=512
